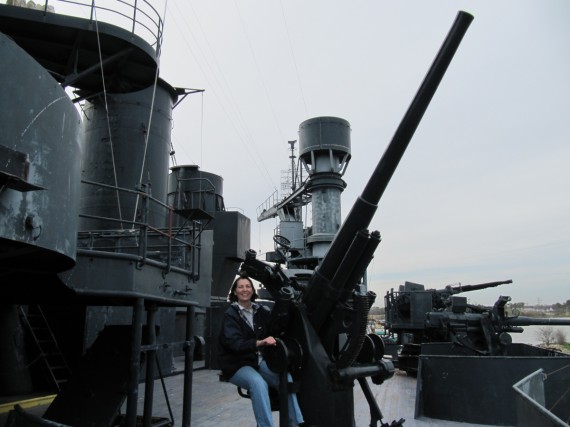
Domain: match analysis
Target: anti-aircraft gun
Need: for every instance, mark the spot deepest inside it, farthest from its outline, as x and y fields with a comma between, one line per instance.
x=320, y=316
x=406, y=307
x=417, y=316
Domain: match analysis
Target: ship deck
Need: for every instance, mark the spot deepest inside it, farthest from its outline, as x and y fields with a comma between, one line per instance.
x=216, y=403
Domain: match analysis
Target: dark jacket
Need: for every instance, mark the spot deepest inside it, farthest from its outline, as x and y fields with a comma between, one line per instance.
x=237, y=339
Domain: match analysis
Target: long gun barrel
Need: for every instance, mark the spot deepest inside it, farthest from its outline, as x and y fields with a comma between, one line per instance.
x=469, y=288
x=321, y=293
x=528, y=321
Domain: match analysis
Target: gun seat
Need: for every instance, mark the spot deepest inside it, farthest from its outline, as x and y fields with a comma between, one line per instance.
x=273, y=394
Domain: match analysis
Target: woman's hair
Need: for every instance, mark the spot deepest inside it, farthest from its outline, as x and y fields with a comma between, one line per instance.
x=242, y=275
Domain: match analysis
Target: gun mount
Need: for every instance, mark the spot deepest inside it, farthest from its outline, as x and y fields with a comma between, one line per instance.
x=406, y=308
x=416, y=316
x=321, y=315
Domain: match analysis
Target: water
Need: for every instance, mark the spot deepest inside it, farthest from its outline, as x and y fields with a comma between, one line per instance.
x=531, y=334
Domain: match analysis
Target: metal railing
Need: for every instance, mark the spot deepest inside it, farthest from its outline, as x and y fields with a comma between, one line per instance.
x=139, y=17
x=146, y=241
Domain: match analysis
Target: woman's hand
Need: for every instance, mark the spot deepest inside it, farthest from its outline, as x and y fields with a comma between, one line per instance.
x=266, y=341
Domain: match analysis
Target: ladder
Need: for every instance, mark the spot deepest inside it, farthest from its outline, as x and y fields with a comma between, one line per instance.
x=50, y=353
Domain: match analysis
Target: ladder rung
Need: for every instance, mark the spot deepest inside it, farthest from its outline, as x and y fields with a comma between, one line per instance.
x=47, y=345
x=31, y=314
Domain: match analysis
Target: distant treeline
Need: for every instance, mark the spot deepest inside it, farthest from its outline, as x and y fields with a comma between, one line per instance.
x=542, y=310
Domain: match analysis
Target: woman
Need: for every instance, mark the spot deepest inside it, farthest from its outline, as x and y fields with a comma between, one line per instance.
x=243, y=336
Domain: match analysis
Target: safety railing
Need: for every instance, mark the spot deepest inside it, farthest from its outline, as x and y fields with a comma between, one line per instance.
x=139, y=17
x=150, y=236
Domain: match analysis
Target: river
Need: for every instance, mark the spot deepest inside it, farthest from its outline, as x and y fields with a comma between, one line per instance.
x=531, y=334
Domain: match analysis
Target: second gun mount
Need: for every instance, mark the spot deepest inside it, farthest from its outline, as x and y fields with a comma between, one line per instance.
x=463, y=353
x=416, y=316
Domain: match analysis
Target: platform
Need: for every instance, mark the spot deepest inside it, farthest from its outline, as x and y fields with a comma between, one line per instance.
x=216, y=403
x=72, y=49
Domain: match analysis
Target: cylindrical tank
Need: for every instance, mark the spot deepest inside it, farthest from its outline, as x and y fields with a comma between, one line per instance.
x=321, y=134
x=189, y=188
x=39, y=166
x=324, y=150
x=121, y=151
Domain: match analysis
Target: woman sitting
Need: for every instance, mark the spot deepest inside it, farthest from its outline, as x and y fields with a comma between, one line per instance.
x=243, y=336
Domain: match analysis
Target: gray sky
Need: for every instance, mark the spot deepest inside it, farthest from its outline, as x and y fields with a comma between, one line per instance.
x=481, y=193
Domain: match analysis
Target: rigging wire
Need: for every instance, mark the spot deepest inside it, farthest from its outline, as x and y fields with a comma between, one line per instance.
x=244, y=139
x=294, y=59
x=227, y=90
x=146, y=136
x=201, y=146
x=259, y=72
x=202, y=128
x=223, y=90
x=107, y=114
x=151, y=113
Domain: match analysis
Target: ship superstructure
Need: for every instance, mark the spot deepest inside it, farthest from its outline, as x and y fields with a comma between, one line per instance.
x=110, y=258
x=324, y=154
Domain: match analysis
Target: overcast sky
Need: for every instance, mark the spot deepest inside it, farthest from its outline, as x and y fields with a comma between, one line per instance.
x=482, y=192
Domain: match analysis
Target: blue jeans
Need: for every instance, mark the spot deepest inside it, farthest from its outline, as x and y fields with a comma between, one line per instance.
x=258, y=383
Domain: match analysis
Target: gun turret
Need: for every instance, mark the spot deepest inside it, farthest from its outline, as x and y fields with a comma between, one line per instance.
x=417, y=316
x=485, y=330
